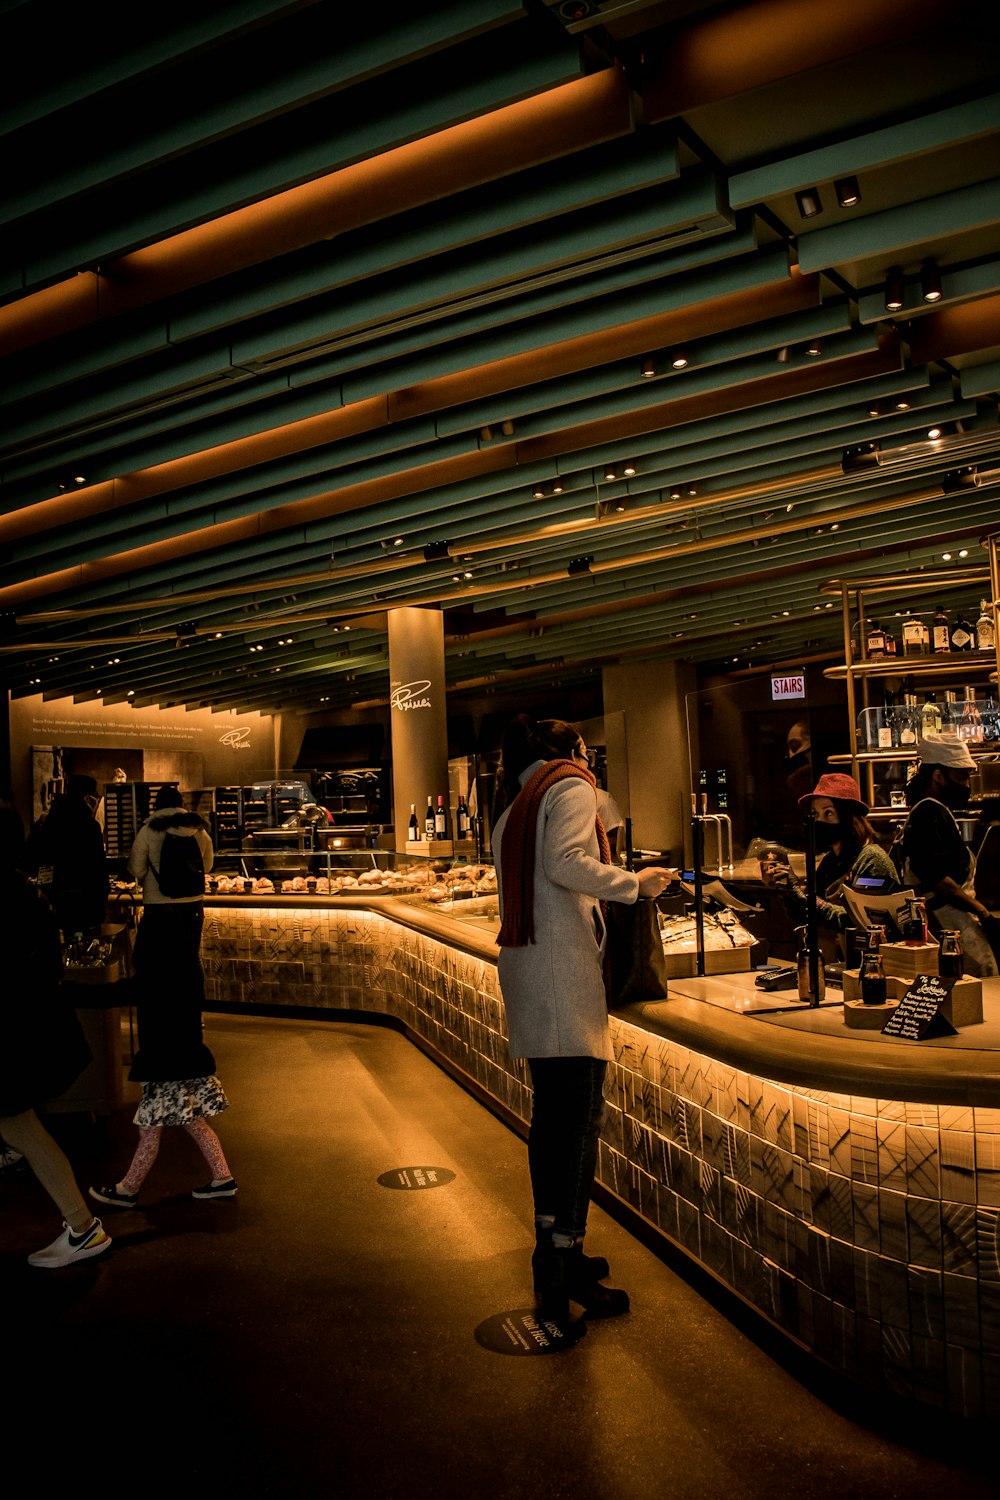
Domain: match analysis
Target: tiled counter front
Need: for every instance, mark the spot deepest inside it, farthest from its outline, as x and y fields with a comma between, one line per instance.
x=866, y=1229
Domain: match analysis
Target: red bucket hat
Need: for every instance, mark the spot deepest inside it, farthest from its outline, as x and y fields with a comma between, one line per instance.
x=839, y=788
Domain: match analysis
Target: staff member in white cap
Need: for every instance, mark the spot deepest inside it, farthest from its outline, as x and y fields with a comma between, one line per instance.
x=936, y=859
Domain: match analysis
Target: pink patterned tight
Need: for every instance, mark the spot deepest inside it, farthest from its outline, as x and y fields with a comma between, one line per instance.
x=203, y=1135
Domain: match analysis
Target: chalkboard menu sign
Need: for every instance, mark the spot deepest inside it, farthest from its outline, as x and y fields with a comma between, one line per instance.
x=918, y=1014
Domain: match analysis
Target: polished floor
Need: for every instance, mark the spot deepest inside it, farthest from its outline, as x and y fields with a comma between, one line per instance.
x=317, y=1336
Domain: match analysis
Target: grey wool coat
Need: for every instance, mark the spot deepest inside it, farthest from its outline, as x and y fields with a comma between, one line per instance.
x=553, y=988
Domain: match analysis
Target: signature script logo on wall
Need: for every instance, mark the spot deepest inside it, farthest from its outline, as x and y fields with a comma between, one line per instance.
x=410, y=695
x=236, y=739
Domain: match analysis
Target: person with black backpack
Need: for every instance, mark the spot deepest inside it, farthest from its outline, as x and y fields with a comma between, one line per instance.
x=170, y=857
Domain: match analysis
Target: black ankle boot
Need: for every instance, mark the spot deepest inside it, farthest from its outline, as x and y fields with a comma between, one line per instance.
x=594, y=1267
x=596, y=1300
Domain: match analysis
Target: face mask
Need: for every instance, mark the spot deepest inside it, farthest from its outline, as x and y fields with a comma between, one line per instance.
x=827, y=834
x=955, y=794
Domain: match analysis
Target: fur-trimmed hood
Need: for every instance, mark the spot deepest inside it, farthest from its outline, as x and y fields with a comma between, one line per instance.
x=176, y=820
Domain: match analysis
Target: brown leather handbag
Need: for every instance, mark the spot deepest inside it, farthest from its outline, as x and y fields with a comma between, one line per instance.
x=635, y=967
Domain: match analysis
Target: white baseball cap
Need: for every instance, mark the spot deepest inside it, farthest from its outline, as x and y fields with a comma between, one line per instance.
x=946, y=750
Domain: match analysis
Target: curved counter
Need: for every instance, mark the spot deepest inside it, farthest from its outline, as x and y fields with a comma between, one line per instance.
x=847, y=1188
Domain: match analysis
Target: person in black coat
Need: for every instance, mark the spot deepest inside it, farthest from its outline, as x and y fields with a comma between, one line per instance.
x=42, y=1048
x=66, y=853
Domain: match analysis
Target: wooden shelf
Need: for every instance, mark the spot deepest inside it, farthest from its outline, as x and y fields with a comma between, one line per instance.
x=941, y=665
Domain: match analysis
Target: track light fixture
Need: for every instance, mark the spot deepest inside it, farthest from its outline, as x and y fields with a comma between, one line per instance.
x=647, y=369
x=809, y=203
x=557, y=486
x=847, y=191
x=814, y=347
x=679, y=360
x=864, y=456
x=611, y=473
x=507, y=427
x=930, y=281
x=630, y=469
x=894, y=289
x=538, y=493
x=783, y=355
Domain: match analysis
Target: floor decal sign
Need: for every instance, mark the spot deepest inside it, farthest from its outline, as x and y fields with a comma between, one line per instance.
x=523, y=1332
x=411, y=1179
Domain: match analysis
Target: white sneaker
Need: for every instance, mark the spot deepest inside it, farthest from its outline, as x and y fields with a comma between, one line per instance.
x=70, y=1247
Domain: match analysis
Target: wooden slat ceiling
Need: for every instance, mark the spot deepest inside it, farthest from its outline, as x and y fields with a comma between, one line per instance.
x=307, y=311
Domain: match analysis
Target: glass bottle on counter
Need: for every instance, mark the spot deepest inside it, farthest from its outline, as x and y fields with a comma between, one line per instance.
x=985, y=630
x=440, y=820
x=940, y=631
x=462, y=818
x=429, y=821
x=930, y=716
x=804, y=969
x=970, y=724
x=413, y=828
x=951, y=713
x=963, y=635
x=908, y=719
x=872, y=978
x=888, y=724
x=951, y=963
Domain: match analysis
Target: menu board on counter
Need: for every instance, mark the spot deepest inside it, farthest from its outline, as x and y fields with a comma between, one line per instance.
x=918, y=1014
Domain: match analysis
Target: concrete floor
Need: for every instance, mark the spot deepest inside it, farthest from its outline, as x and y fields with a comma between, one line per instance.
x=316, y=1336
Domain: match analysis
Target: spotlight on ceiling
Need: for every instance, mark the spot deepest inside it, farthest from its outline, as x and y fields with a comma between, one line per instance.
x=507, y=427
x=960, y=479
x=611, y=473
x=557, y=486
x=874, y=410
x=864, y=456
x=436, y=551
x=847, y=191
x=538, y=493
x=894, y=289
x=783, y=355
x=647, y=369
x=629, y=469
x=679, y=360
x=814, y=347
x=930, y=281
x=486, y=434
x=809, y=203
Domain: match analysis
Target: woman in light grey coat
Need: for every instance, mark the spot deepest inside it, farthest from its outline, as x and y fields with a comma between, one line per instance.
x=553, y=872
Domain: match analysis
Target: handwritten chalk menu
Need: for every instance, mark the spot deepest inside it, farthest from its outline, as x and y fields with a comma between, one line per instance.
x=918, y=1014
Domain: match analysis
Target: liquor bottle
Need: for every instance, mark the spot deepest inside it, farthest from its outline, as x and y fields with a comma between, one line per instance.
x=930, y=716
x=413, y=831
x=462, y=817
x=970, y=725
x=888, y=727
x=804, y=970
x=963, y=635
x=873, y=986
x=440, y=820
x=875, y=641
x=909, y=721
x=951, y=964
x=915, y=638
x=890, y=641
x=429, y=822
x=985, y=630
x=940, y=631
x=991, y=721
x=912, y=924
x=951, y=713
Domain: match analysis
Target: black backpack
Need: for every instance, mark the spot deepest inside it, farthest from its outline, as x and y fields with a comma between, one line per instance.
x=182, y=869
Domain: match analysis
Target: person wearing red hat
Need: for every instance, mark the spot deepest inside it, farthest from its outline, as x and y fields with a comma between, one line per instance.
x=936, y=859
x=850, y=850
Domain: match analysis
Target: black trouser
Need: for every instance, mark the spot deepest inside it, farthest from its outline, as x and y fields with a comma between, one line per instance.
x=566, y=1116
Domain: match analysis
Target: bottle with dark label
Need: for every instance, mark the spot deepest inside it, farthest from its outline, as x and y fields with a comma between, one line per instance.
x=876, y=640
x=429, y=821
x=985, y=630
x=462, y=818
x=940, y=630
x=804, y=966
x=440, y=820
x=963, y=635
x=413, y=829
x=873, y=986
x=951, y=964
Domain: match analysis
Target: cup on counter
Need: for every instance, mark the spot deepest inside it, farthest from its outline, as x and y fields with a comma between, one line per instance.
x=770, y=858
x=311, y=884
x=247, y=887
x=213, y=884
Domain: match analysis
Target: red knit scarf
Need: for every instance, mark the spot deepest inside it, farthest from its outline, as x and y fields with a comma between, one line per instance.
x=517, y=852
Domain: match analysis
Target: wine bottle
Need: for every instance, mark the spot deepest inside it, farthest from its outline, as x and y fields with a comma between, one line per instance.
x=940, y=631
x=985, y=631
x=962, y=637
x=970, y=725
x=888, y=727
x=429, y=822
x=413, y=831
x=915, y=638
x=876, y=641
x=462, y=818
x=909, y=720
x=440, y=820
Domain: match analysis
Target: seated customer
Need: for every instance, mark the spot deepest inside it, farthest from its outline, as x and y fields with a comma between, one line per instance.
x=849, y=848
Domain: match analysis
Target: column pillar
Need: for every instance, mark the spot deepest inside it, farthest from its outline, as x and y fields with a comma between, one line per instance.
x=418, y=715
x=655, y=789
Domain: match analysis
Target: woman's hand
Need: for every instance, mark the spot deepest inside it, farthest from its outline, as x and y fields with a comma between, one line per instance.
x=776, y=874
x=654, y=880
